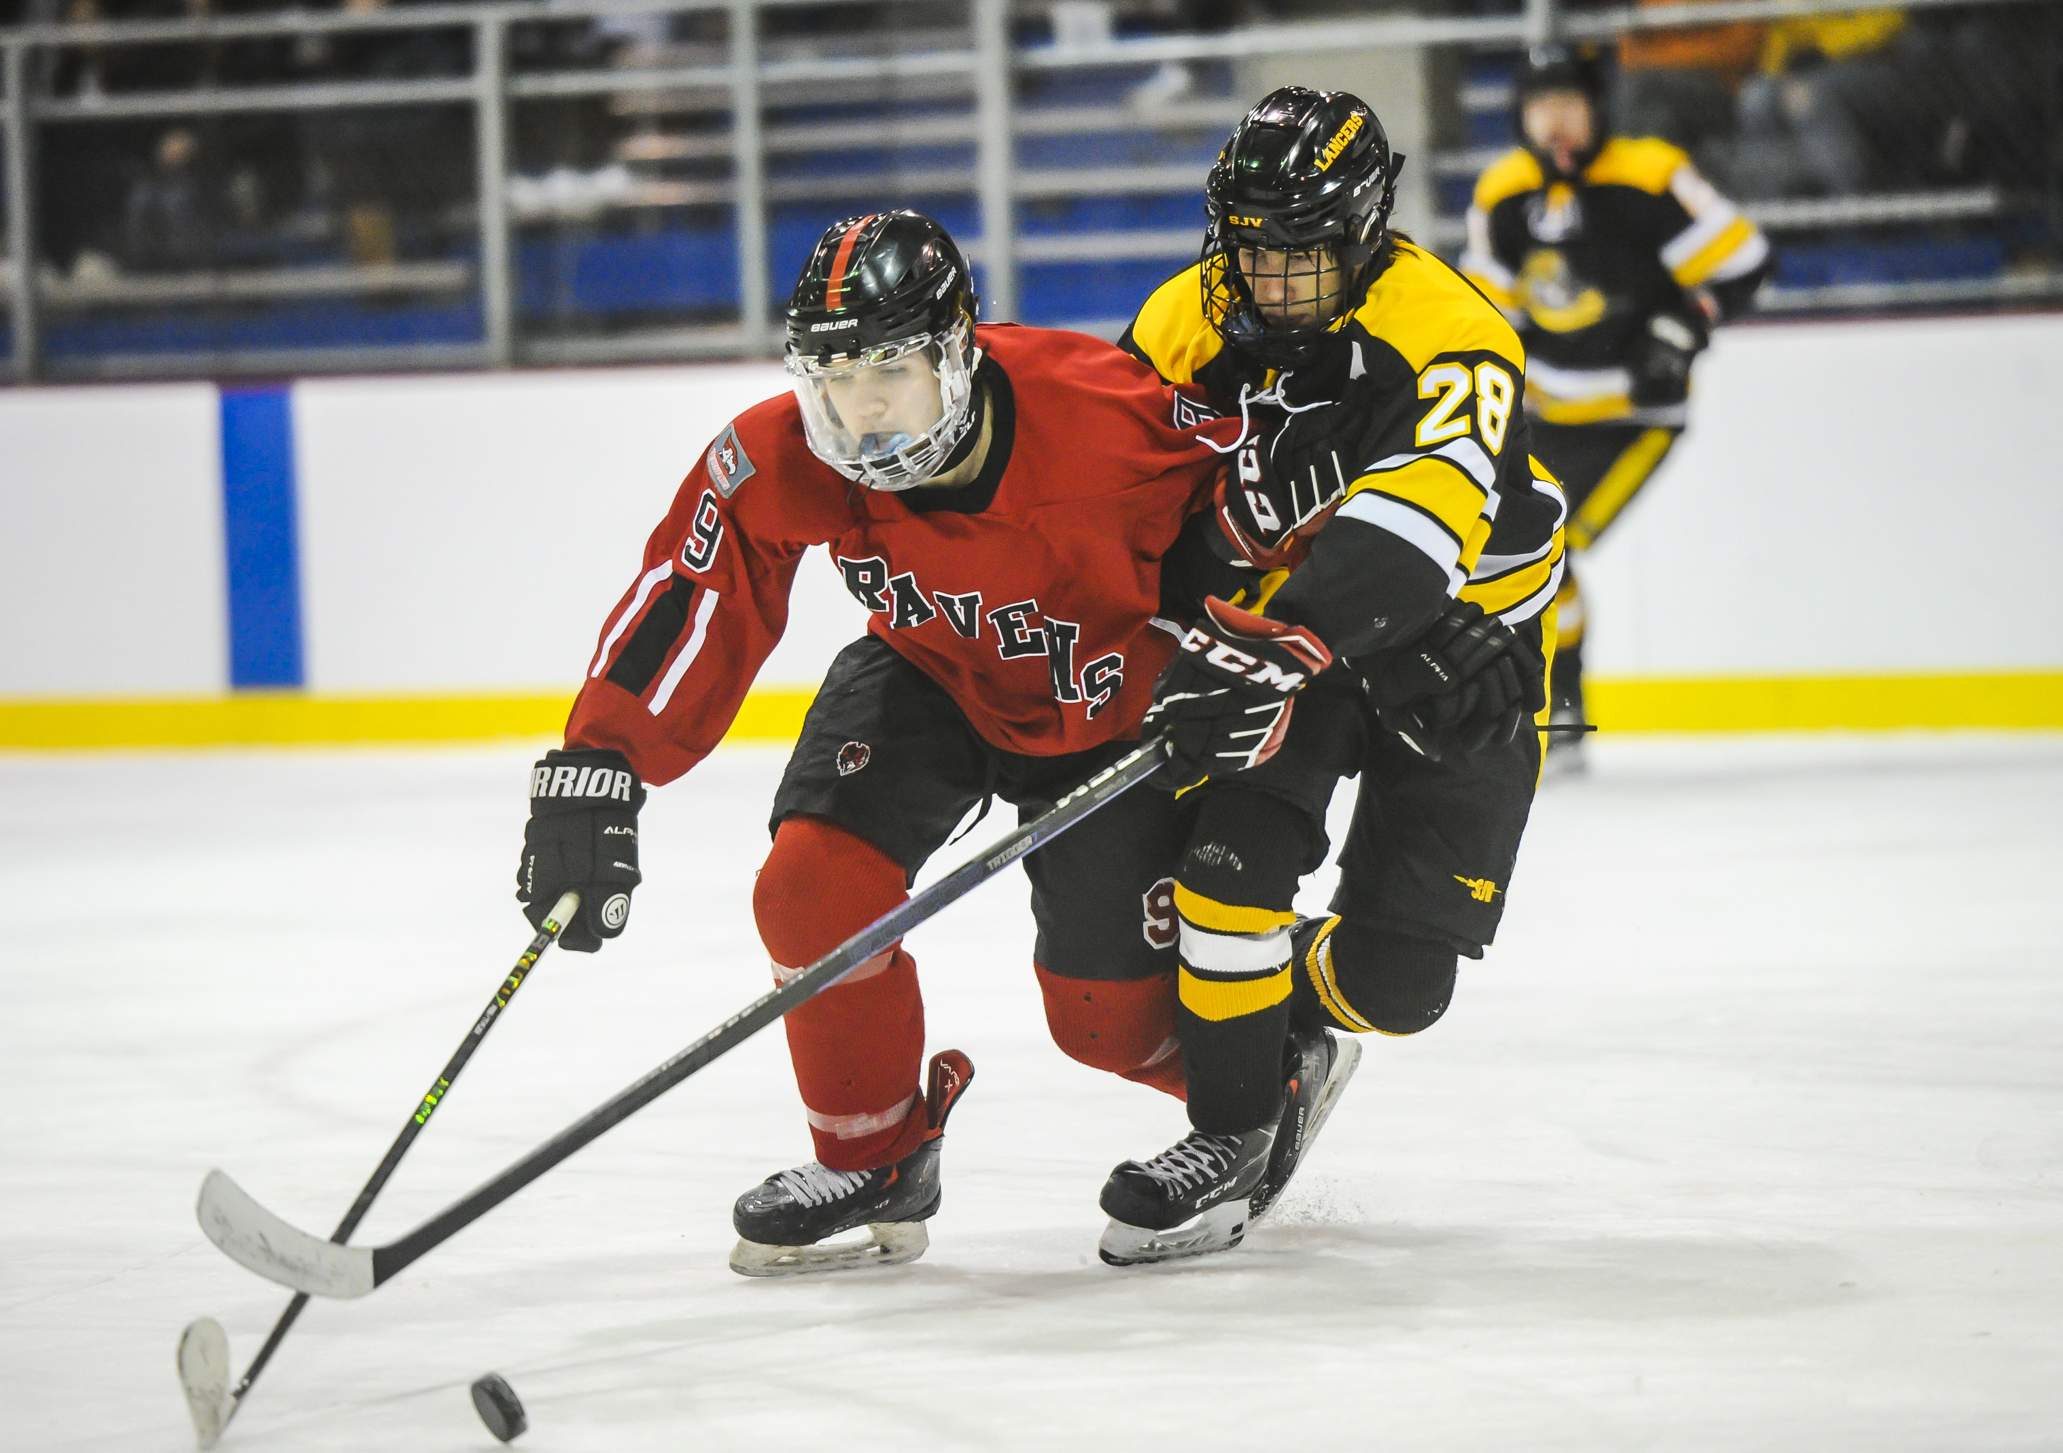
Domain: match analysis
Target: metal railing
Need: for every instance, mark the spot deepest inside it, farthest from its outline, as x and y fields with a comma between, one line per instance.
x=987, y=68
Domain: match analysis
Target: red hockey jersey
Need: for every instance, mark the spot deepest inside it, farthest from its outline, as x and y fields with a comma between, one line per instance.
x=1029, y=594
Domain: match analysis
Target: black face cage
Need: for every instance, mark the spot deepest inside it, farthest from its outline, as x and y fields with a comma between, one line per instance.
x=1278, y=302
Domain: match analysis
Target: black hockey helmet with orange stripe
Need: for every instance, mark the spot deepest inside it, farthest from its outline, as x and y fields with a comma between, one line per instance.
x=879, y=279
x=1306, y=175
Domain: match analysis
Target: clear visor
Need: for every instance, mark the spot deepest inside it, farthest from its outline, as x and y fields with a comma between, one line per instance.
x=889, y=416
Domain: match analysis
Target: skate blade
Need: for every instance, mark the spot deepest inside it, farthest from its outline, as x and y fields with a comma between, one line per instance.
x=204, y=1373
x=888, y=1243
x=1218, y=1229
x=1346, y=1059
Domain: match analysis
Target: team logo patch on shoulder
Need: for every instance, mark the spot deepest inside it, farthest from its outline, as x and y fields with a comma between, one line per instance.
x=728, y=466
x=853, y=756
x=1190, y=412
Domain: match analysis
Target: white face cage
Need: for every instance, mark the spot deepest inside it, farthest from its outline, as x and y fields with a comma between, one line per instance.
x=890, y=416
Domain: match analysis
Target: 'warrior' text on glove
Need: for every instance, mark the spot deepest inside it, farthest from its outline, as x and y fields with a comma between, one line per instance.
x=582, y=835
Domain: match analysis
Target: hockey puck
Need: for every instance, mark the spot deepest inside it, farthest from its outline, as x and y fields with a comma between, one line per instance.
x=499, y=1407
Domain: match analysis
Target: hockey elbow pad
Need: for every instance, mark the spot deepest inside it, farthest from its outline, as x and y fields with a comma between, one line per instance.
x=582, y=835
x=1223, y=703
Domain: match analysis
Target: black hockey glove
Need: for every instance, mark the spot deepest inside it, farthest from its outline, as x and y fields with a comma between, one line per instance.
x=582, y=835
x=1660, y=369
x=1223, y=703
x=1280, y=483
x=1464, y=682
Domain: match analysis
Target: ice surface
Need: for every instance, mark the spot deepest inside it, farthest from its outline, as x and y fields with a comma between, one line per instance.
x=1749, y=1134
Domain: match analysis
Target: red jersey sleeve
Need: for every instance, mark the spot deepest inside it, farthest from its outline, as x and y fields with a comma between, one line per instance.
x=681, y=648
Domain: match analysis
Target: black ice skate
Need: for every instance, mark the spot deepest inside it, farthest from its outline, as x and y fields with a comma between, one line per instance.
x=784, y=1221
x=1189, y=1200
x=1320, y=1064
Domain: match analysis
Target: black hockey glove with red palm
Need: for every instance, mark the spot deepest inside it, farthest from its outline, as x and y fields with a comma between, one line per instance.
x=1222, y=705
x=582, y=835
x=1465, y=681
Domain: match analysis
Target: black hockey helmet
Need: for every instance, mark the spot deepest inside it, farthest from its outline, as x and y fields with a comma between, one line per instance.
x=1303, y=189
x=1561, y=68
x=881, y=297
x=879, y=279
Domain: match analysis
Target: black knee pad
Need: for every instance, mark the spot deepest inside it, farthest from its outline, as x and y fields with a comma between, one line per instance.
x=1397, y=983
x=1247, y=849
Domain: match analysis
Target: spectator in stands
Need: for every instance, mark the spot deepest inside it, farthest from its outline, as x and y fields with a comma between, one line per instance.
x=168, y=221
x=1679, y=83
x=1822, y=86
x=389, y=166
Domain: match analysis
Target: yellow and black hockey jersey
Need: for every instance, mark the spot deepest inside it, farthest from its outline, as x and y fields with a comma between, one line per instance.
x=1581, y=267
x=1433, y=375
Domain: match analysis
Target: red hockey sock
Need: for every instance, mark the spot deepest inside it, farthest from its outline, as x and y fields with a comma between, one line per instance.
x=1126, y=1026
x=858, y=1047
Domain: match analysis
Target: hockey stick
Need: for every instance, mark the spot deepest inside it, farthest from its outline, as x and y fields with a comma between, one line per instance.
x=204, y=1349
x=255, y=1238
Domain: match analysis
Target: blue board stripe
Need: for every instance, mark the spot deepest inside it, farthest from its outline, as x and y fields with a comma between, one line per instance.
x=262, y=543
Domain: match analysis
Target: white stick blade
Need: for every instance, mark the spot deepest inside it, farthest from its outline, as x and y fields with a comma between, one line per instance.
x=204, y=1373
x=253, y=1237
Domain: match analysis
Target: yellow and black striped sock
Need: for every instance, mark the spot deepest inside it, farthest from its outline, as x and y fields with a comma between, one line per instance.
x=1233, y=1016
x=1316, y=983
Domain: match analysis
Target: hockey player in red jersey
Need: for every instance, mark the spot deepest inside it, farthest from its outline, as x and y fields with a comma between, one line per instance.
x=1000, y=499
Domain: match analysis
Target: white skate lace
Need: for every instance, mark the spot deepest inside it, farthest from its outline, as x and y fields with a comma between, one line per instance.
x=815, y=1185
x=1192, y=1160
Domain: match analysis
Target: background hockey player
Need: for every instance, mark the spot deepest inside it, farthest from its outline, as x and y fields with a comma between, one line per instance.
x=1614, y=259
x=1000, y=499
x=1427, y=550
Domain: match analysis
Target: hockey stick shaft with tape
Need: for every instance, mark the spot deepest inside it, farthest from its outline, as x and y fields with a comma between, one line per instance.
x=261, y=1241
x=561, y=914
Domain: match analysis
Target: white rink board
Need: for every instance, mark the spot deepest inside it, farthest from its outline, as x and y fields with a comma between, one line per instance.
x=1850, y=498
x=1750, y=1139
x=1845, y=503
x=111, y=518
x=472, y=532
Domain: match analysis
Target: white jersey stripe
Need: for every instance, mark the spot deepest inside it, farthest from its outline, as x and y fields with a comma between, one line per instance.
x=1693, y=240
x=1745, y=257
x=852, y=1127
x=1535, y=603
x=1577, y=383
x=1406, y=524
x=1491, y=565
x=646, y=586
x=704, y=606
x=1465, y=454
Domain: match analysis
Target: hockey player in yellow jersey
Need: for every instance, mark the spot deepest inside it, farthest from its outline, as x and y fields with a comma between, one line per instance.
x=1384, y=506
x=1614, y=259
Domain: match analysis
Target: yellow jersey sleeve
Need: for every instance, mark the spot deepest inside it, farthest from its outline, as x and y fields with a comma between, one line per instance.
x=1170, y=333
